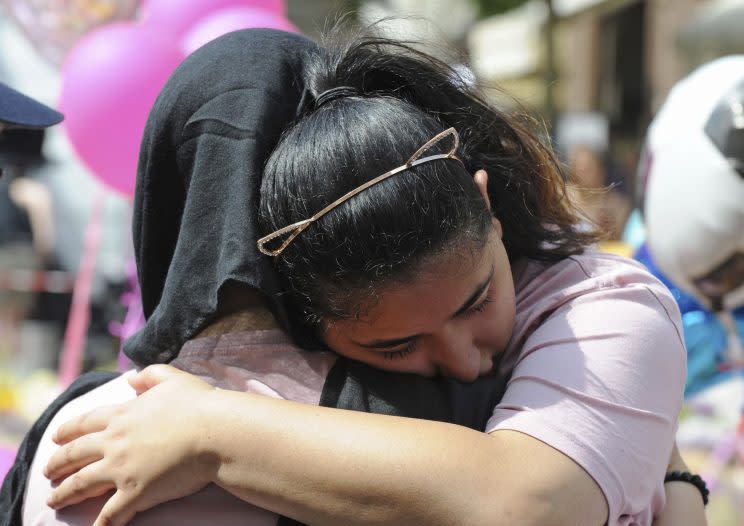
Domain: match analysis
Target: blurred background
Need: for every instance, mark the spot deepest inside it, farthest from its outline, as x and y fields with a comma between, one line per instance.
x=593, y=72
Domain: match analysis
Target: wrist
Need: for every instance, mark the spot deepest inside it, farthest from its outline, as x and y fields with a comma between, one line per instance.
x=230, y=432
x=210, y=424
x=691, y=481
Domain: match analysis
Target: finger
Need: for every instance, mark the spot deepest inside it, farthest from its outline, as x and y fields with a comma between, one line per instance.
x=117, y=511
x=90, y=422
x=85, y=484
x=153, y=375
x=73, y=456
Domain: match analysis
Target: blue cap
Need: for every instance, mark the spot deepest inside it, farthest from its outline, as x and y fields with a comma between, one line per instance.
x=19, y=111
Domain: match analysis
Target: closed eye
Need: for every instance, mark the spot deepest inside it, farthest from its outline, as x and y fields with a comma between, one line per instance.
x=401, y=353
x=479, y=308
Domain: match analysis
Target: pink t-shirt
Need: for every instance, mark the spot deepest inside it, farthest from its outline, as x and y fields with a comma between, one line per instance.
x=598, y=369
x=598, y=366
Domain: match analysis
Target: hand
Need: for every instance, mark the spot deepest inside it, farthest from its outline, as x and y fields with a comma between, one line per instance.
x=146, y=451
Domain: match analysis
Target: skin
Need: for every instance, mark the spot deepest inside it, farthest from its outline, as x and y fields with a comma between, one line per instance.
x=458, y=335
x=684, y=502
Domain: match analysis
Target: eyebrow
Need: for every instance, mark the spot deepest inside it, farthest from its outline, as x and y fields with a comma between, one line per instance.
x=381, y=344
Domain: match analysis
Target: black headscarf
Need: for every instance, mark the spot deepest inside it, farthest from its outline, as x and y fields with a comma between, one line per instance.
x=209, y=133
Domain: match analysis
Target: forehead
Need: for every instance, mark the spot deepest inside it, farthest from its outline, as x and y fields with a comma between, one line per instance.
x=432, y=294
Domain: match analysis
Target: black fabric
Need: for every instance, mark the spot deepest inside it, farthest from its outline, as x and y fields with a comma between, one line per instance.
x=209, y=133
x=358, y=387
x=14, y=485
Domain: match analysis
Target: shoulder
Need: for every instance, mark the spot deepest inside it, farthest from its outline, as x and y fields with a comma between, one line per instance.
x=600, y=310
x=582, y=272
x=547, y=289
x=604, y=317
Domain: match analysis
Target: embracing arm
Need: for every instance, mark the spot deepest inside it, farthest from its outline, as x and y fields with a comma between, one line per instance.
x=600, y=380
x=317, y=465
x=447, y=474
x=345, y=478
x=353, y=468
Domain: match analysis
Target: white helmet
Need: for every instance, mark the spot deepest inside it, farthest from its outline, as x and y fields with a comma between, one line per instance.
x=694, y=191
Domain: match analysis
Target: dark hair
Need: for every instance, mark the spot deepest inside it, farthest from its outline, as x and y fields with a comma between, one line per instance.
x=394, y=99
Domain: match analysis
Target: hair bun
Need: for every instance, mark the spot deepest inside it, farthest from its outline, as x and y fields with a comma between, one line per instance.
x=336, y=93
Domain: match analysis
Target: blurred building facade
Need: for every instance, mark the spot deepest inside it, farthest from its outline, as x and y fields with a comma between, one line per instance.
x=615, y=57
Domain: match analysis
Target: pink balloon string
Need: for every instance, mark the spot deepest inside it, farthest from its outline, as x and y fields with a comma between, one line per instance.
x=7, y=458
x=73, y=349
x=135, y=317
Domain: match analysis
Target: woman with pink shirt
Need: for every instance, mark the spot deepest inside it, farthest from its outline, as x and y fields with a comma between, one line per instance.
x=418, y=230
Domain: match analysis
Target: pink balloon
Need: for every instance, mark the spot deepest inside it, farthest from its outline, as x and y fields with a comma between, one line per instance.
x=110, y=81
x=227, y=20
x=179, y=16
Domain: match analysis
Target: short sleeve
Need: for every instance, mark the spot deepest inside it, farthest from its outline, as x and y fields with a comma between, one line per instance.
x=601, y=379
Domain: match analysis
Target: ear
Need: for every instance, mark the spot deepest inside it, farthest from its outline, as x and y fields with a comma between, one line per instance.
x=481, y=181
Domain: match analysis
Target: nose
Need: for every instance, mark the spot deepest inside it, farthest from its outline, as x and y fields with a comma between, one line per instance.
x=454, y=355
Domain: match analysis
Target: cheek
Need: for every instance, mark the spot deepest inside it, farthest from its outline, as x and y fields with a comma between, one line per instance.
x=496, y=326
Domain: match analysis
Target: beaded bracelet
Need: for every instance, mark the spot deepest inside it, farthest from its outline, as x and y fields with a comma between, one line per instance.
x=695, y=480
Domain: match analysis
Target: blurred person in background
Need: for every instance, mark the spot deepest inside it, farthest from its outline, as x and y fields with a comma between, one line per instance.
x=26, y=225
x=25, y=205
x=27, y=229
x=692, y=183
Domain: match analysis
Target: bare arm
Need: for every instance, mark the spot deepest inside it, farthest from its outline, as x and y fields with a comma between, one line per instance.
x=318, y=465
x=488, y=479
x=684, y=504
x=371, y=469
